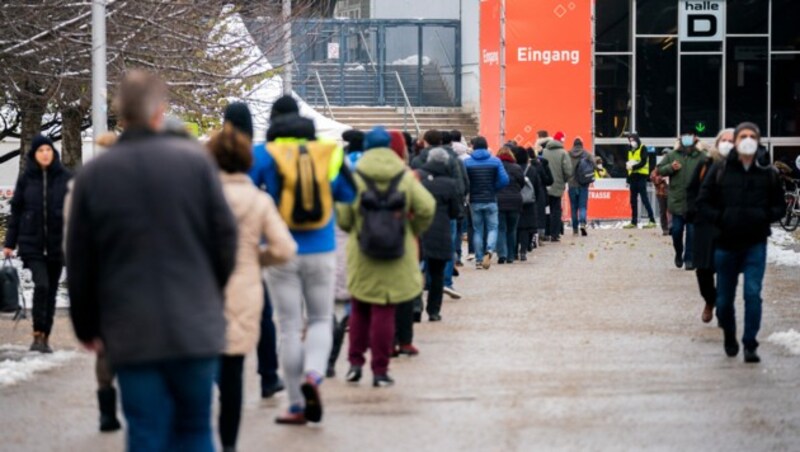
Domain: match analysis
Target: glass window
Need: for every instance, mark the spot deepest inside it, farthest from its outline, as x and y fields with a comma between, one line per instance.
x=746, y=81
x=657, y=17
x=701, y=78
x=785, y=32
x=613, y=26
x=747, y=16
x=612, y=95
x=786, y=95
x=701, y=46
x=656, y=87
x=614, y=158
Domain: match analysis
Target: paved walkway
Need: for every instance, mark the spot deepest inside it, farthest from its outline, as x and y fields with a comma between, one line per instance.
x=595, y=344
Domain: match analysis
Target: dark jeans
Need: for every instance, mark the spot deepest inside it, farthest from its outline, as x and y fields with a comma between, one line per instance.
x=230, y=398
x=267, y=346
x=555, y=216
x=404, y=323
x=168, y=404
x=578, y=203
x=638, y=187
x=456, y=239
x=507, y=235
x=470, y=231
x=45, y=275
x=372, y=327
x=751, y=262
x=679, y=223
x=435, y=269
x=664, y=213
x=708, y=290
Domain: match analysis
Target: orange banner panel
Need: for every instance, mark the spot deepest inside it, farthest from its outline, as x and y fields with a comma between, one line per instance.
x=549, y=69
x=490, y=71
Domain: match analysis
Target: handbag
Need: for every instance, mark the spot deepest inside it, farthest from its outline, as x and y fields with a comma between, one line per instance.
x=528, y=193
x=11, y=298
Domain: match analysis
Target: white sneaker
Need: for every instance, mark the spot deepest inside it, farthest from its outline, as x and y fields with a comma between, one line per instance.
x=452, y=293
x=471, y=257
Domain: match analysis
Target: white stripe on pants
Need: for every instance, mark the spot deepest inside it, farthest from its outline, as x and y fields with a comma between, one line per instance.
x=307, y=278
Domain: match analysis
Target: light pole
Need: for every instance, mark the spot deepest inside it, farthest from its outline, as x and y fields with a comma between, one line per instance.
x=287, y=47
x=99, y=79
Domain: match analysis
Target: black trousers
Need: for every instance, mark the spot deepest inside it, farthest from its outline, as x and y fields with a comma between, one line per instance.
x=230, y=383
x=404, y=323
x=267, y=346
x=524, y=240
x=45, y=274
x=103, y=372
x=638, y=187
x=708, y=289
x=555, y=216
x=436, y=289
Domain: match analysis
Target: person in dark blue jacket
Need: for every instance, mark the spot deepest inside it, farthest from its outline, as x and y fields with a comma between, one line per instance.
x=486, y=177
x=36, y=226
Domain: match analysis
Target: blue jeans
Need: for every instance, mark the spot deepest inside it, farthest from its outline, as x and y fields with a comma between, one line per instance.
x=752, y=262
x=168, y=404
x=448, y=268
x=578, y=201
x=507, y=235
x=484, y=220
x=679, y=223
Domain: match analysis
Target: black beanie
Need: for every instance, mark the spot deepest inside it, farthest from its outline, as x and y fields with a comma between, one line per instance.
x=239, y=115
x=41, y=140
x=284, y=106
x=354, y=139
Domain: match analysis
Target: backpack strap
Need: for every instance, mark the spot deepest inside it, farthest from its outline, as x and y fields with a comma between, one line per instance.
x=395, y=182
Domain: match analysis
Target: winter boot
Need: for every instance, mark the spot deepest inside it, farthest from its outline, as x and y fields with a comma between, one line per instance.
x=731, y=344
x=40, y=343
x=107, y=400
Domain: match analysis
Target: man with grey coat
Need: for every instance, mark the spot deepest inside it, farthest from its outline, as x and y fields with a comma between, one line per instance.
x=561, y=167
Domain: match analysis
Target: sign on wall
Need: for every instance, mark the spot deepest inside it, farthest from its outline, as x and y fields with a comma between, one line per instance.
x=490, y=72
x=701, y=21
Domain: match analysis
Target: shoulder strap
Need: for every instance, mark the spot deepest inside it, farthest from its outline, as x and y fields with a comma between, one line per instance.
x=395, y=182
x=367, y=180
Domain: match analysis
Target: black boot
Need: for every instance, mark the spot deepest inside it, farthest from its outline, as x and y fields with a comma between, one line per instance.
x=338, y=338
x=107, y=399
x=731, y=344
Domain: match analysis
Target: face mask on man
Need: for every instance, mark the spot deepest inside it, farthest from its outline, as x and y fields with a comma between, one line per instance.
x=687, y=140
x=634, y=145
x=748, y=146
x=725, y=148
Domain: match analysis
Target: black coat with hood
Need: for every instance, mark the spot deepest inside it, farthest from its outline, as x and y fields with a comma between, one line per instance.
x=509, y=199
x=437, y=242
x=36, y=225
x=742, y=203
x=528, y=217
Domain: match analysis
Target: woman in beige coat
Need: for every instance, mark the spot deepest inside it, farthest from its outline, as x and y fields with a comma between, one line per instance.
x=257, y=218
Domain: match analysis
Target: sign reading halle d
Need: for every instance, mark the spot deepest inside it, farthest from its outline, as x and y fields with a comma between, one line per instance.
x=701, y=21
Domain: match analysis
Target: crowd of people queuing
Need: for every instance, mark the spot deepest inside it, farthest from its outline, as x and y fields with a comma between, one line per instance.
x=177, y=252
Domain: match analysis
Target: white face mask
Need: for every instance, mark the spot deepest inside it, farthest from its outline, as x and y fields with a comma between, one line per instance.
x=725, y=148
x=634, y=145
x=748, y=146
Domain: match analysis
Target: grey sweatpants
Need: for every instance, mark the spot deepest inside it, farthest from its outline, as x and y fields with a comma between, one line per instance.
x=307, y=280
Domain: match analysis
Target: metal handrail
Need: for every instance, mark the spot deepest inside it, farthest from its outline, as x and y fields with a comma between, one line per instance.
x=324, y=96
x=408, y=103
x=369, y=54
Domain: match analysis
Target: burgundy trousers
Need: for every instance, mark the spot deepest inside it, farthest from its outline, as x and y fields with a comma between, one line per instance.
x=372, y=327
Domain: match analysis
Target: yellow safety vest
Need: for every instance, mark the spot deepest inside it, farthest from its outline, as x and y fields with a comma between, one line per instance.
x=636, y=155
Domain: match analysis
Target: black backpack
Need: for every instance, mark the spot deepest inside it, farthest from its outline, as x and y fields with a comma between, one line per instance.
x=584, y=172
x=383, y=229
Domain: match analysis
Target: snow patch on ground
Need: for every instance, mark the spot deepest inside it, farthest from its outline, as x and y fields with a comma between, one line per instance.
x=18, y=364
x=789, y=339
x=779, y=249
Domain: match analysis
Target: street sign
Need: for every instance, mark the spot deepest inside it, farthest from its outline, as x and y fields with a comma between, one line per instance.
x=701, y=21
